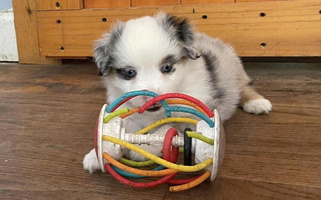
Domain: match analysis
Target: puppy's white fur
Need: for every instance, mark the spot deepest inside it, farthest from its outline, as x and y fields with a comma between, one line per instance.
x=257, y=106
x=203, y=67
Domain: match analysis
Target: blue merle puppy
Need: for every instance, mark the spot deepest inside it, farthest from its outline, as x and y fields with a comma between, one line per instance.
x=164, y=54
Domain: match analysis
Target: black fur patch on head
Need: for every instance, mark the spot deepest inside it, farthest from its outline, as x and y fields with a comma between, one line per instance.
x=183, y=29
x=210, y=60
x=177, y=27
x=104, y=49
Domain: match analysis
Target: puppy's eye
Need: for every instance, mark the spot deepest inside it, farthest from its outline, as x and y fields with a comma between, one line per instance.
x=166, y=68
x=131, y=73
x=126, y=74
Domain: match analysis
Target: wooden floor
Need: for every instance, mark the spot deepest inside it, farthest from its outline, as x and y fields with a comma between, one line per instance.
x=47, y=118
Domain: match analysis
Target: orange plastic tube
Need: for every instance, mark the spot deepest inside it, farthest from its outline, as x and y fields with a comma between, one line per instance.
x=121, y=166
x=191, y=184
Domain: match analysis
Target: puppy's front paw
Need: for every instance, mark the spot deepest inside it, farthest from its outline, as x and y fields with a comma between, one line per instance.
x=90, y=162
x=258, y=106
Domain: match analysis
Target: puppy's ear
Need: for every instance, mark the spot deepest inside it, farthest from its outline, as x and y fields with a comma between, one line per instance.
x=191, y=52
x=181, y=29
x=104, y=48
x=178, y=27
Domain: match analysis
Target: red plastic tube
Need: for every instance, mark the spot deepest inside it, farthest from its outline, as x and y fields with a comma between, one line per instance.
x=169, y=155
x=138, y=184
x=96, y=137
x=182, y=181
x=176, y=95
x=173, y=156
x=122, y=102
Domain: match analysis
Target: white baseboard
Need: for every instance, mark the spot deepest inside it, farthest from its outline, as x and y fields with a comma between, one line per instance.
x=8, y=43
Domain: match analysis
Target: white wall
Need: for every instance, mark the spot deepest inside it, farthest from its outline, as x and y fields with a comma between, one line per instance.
x=5, y=4
x=8, y=44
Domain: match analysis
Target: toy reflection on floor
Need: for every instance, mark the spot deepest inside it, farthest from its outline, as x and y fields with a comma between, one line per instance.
x=207, y=142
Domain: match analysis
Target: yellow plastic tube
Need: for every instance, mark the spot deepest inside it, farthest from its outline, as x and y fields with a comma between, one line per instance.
x=135, y=163
x=158, y=160
x=115, y=114
x=165, y=121
x=200, y=137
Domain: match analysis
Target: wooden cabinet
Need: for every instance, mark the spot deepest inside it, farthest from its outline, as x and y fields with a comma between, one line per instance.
x=59, y=29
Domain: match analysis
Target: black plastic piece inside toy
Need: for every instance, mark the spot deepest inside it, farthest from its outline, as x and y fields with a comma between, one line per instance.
x=187, y=148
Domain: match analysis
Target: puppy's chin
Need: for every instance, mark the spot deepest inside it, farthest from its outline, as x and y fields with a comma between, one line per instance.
x=153, y=108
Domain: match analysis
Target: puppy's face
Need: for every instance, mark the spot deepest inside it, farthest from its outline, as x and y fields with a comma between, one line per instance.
x=148, y=53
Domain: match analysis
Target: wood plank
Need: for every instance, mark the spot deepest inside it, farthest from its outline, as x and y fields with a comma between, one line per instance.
x=230, y=188
x=268, y=29
x=47, y=118
x=25, y=20
x=46, y=163
x=296, y=108
x=59, y=4
x=154, y=3
x=183, y=2
x=241, y=1
x=106, y=3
